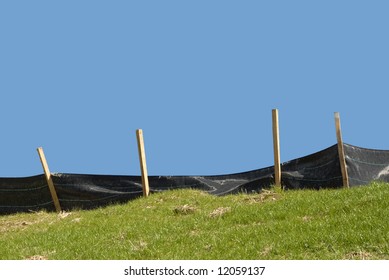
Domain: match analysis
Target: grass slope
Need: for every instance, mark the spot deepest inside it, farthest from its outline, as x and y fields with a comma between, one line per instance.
x=188, y=224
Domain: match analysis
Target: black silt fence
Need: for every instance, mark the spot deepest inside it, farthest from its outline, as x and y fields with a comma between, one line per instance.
x=81, y=191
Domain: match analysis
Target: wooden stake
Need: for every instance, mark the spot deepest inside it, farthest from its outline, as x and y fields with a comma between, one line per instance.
x=342, y=157
x=142, y=160
x=276, y=147
x=49, y=179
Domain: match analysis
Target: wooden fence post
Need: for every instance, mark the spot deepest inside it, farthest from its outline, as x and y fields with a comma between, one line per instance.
x=276, y=148
x=49, y=179
x=142, y=160
x=342, y=158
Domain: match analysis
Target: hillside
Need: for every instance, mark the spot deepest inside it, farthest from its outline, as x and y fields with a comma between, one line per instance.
x=189, y=224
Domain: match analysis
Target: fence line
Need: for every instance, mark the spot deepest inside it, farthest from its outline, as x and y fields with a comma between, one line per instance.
x=325, y=169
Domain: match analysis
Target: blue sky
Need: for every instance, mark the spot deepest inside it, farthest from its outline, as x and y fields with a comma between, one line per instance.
x=199, y=77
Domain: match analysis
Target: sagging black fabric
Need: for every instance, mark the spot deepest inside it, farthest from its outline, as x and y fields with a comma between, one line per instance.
x=81, y=191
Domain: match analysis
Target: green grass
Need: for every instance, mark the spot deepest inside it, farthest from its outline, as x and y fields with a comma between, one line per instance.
x=188, y=224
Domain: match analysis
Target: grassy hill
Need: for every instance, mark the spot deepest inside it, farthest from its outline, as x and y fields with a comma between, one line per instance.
x=188, y=224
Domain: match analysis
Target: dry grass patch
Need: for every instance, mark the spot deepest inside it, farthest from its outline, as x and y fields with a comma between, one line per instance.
x=184, y=209
x=37, y=258
x=218, y=212
x=361, y=255
x=265, y=195
x=139, y=245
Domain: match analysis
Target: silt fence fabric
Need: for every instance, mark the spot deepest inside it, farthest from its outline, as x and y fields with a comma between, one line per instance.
x=82, y=191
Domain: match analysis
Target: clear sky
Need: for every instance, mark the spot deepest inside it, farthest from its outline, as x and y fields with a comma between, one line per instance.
x=199, y=77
